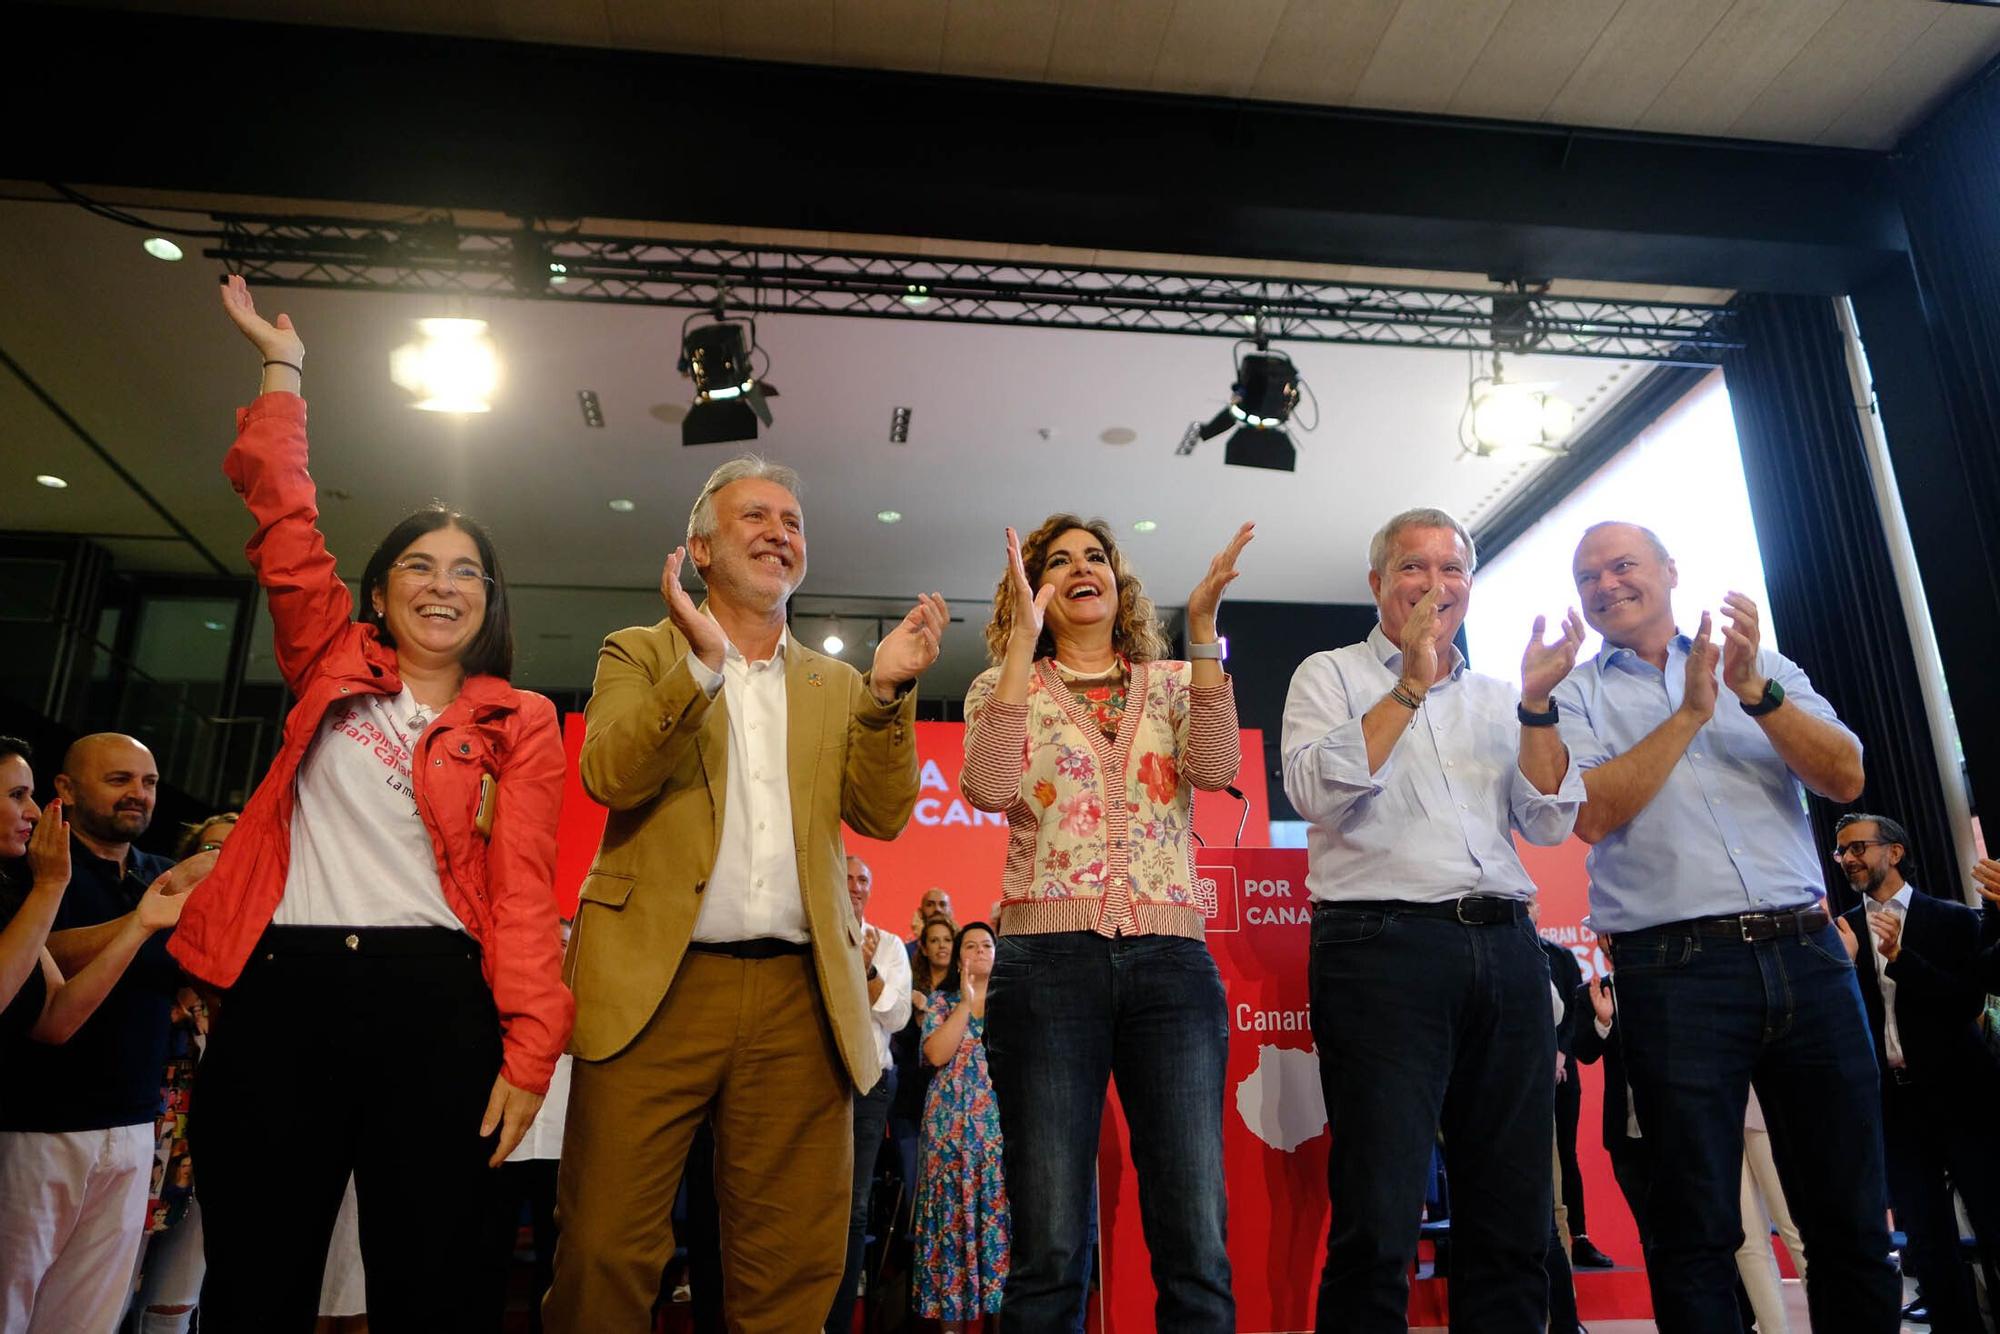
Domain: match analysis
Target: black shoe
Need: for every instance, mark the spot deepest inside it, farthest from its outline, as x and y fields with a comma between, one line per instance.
x=1584, y=1255
x=1917, y=1313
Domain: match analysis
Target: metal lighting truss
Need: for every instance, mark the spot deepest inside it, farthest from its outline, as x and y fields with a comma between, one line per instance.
x=438, y=257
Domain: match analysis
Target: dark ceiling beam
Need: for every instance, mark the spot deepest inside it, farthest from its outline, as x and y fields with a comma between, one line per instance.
x=555, y=132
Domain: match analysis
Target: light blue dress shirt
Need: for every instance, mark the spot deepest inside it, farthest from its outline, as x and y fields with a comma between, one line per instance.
x=1433, y=823
x=1727, y=833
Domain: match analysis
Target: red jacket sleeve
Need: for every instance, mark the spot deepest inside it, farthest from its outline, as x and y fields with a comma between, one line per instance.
x=310, y=607
x=525, y=954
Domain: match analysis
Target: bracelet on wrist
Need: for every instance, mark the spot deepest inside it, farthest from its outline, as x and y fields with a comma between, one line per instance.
x=291, y=366
x=1406, y=697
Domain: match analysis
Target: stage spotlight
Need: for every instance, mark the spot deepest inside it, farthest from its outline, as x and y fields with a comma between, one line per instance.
x=1260, y=403
x=729, y=397
x=452, y=368
x=1514, y=417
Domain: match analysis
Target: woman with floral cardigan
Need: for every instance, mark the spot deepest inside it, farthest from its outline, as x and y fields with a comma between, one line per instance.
x=1092, y=747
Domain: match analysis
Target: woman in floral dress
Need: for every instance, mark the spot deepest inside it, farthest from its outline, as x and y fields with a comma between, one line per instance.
x=961, y=1227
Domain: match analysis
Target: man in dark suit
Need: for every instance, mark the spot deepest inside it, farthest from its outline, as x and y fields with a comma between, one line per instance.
x=1918, y=954
x=1567, y=976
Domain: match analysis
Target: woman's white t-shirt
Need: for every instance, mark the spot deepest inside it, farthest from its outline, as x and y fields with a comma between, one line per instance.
x=360, y=853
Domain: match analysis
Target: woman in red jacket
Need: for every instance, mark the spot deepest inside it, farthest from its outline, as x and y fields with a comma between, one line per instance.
x=382, y=922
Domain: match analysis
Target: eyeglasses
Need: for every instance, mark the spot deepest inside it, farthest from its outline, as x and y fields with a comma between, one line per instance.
x=1842, y=851
x=422, y=571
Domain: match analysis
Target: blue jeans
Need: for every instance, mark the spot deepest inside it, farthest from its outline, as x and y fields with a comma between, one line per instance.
x=1426, y=1025
x=1704, y=1016
x=1067, y=1012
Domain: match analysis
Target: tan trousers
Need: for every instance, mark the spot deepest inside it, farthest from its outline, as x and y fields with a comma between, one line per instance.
x=745, y=1043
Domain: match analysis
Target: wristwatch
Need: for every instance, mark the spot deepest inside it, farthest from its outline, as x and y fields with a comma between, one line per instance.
x=1529, y=718
x=1774, y=695
x=1214, y=651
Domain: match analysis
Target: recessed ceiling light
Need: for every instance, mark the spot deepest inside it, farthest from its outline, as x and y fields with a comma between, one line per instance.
x=1144, y=526
x=833, y=644
x=889, y=516
x=916, y=296
x=159, y=247
x=211, y=625
x=621, y=505
x=1118, y=435
x=51, y=481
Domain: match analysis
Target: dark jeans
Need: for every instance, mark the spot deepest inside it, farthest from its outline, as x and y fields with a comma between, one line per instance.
x=1632, y=1168
x=1935, y=1132
x=1569, y=1108
x=1425, y=1024
x=871, y=1114
x=528, y=1185
x=1068, y=1012
x=1704, y=1016
x=325, y=1060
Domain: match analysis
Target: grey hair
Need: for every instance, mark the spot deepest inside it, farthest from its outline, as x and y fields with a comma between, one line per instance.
x=745, y=467
x=1424, y=516
x=1652, y=538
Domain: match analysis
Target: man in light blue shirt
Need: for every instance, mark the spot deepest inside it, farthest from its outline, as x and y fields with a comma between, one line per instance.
x=1430, y=991
x=1705, y=883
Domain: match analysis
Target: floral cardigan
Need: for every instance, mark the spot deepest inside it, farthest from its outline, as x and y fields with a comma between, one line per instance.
x=1098, y=828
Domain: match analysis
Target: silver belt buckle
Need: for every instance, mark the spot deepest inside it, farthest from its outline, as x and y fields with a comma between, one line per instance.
x=1458, y=910
x=1746, y=922
x=352, y=942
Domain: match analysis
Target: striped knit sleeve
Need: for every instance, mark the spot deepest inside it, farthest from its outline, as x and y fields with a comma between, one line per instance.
x=1212, y=752
x=996, y=737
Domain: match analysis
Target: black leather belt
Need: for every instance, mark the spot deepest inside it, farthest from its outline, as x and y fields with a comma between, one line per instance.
x=1749, y=926
x=378, y=942
x=763, y=947
x=1472, y=910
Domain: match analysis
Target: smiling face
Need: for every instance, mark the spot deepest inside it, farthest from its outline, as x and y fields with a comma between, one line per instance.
x=18, y=811
x=1872, y=859
x=1418, y=560
x=757, y=554
x=860, y=882
x=937, y=945
x=975, y=953
x=433, y=598
x=108, y=786
x=1086, y=601
x=1625, y=586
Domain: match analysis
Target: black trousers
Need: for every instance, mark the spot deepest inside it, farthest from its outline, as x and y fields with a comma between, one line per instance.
x=528, y=1185
x=1569, y=1107
x=325, y=1059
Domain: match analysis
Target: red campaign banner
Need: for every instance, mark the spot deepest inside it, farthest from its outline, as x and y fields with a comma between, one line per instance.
x=946, y=844
x=1274, y=1116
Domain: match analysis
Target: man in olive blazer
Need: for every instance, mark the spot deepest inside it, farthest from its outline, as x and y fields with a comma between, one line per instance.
x=715, y=958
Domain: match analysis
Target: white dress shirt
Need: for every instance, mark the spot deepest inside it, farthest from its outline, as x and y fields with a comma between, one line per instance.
x=892, y=1008
x=1436, y=821
x=753, y=891
x=1898, y=907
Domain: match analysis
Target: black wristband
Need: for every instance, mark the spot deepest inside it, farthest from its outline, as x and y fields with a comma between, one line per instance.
x=294, y=367
x=1529, y=719
x=1774, y=695
x=872, y=974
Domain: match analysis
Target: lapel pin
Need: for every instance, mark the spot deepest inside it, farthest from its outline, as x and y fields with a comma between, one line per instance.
x=813, y=679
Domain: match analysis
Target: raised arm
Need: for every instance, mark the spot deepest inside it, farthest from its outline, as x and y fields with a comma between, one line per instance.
x=1813, y=745
x=1620, y=787
x=1212, y=752
x=23, y=939
x=310, y=606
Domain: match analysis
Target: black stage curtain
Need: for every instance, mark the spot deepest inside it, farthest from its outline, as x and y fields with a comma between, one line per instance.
x=1949, y=177
x=1826, y=562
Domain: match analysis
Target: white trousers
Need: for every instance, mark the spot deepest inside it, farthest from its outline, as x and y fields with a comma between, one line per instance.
x=1755, y=1262
x=72, y=1217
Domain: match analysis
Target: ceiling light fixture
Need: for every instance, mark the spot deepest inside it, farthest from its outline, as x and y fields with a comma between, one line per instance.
x=1511, y=417
x=729, y=396
x=453, y=368
x=593, y=411
x=159, y=247
x=620, y=506
x=889, y=516
x=916, y=296
x=899, y=426
x=833, y=643
x=1261, y=400
x=51, y=481
x=1144, y=526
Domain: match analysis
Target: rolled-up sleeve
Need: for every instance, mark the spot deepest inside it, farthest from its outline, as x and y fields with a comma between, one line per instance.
x=1546, y=818
x=1325, y=753
x=1586, y=749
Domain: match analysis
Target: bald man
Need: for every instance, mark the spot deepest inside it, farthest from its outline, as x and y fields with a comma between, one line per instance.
x=76, y=1121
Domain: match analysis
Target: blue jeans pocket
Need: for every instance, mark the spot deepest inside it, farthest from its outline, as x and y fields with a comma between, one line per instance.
x=1346, y=926
x=1650, y=954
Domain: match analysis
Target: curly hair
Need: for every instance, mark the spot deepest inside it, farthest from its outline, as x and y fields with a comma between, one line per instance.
x=1136, y=633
